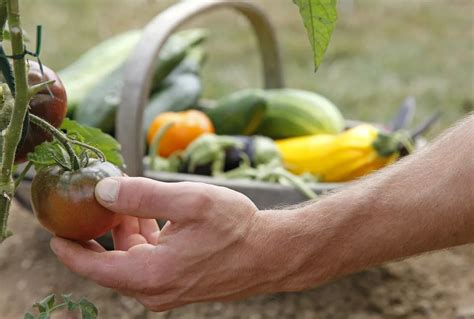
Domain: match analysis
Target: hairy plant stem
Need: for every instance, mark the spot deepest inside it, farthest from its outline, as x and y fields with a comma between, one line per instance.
x=60, y=136
x=23, y=173
x=13, y=132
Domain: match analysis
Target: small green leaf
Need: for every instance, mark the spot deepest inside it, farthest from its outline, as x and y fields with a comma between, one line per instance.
x=28, y=316
x=47, y=303
x=41, y=308
x=44, y=315
x=88, y=309
x=71, y=305
x=45, y=153
x=319, y=17
x=95, y=137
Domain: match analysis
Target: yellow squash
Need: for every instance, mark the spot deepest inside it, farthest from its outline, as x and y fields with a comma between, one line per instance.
x=343, y=157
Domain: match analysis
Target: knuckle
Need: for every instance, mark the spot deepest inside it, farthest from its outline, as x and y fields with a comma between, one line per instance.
x=201, y=200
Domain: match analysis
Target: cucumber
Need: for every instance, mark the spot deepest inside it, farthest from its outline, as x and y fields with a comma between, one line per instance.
x=81, y=76
x=239, y=113
x=293, y=113
x=99, y=107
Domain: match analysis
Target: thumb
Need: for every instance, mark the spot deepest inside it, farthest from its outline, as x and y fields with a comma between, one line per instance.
x=150, y=199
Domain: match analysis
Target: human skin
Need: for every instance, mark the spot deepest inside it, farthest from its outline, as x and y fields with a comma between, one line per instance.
x=218, y=246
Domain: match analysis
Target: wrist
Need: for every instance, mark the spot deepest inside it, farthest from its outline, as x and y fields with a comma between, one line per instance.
x=292, y=249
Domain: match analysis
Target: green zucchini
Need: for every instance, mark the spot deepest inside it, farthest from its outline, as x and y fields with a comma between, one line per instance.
x=99, y=107
x=181, y=93
x=96, y=65
x=181, y=90
x=91, y=68
x=293, y=113
x=178, y=47
x=239, y=113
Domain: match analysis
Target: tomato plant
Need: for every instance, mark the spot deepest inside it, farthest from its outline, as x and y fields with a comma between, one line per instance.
x=69, y=165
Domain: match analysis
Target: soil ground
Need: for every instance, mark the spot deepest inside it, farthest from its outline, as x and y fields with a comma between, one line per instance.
x=437, y=285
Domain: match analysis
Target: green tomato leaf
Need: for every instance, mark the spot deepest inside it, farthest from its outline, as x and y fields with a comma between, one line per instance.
x=52, y=153
x=28, y=315
x=40, y=307
x=71, y=305
x=95, y=137
x=47, y=303
x=88, y=309
x=46, y=154
x=319, y=18
x=44, y=315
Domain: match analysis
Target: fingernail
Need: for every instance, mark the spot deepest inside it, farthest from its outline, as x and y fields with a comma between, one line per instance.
x=107, y=190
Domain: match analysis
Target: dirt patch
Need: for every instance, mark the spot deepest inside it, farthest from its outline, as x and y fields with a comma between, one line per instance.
x=438, y=285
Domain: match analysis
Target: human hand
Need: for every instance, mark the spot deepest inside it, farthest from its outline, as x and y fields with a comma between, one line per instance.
x=214, y=246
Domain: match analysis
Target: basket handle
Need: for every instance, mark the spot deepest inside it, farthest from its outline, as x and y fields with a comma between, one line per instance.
x=138, y=72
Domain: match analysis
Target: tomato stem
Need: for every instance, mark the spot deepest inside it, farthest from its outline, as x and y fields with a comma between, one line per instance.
x=61, y=137
x=97, y=152
x=23, y=173
x=13, y=131
x=66, y=141
x=35, y=89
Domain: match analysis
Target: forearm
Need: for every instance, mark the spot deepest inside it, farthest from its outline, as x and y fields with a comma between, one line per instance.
x=423, y=203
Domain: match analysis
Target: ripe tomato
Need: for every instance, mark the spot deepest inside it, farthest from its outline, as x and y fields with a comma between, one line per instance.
x=188, y=126
x=50, y=108
x=64, y=201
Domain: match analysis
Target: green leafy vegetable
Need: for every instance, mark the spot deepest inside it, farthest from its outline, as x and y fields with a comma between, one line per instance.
x=319, y=17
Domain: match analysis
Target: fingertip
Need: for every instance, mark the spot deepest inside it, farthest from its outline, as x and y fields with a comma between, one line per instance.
x=107, y=191
x=57, y=244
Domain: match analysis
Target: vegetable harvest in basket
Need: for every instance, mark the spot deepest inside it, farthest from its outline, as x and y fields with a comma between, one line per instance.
x=286, y=136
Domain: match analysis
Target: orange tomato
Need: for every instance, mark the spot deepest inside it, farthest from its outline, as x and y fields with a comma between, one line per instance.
x=187, y=126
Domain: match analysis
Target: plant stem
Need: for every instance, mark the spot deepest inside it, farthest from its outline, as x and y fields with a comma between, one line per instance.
x=23, y=174
x=13, y=131
x=60, y=136
x=96, y=151
x=153, y=152
x=57, y=307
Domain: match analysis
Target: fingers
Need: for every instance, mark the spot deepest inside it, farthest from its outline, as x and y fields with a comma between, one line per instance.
x=146, y=198
x=110, y=268
x=127, y=234
x=150, y=230
x=93, y=245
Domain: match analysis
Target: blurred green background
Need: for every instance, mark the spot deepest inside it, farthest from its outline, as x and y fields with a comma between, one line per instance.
x=381, y=51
